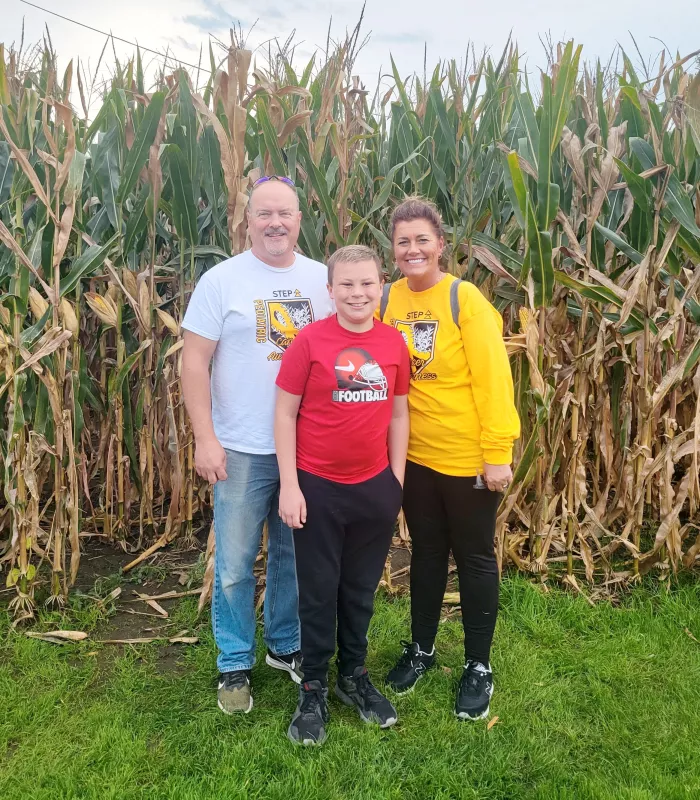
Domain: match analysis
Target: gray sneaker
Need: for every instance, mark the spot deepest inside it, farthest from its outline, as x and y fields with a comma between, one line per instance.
x=234, y=695
x=308, y=725
x=357, y=690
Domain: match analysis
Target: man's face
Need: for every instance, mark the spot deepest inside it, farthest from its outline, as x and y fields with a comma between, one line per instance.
x=274, y=220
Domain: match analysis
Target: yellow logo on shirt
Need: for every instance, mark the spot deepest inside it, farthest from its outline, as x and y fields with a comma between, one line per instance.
x=420, y=339
x=285, y=318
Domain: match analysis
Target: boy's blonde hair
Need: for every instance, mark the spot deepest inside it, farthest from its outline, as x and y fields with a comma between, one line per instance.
x=353, y=254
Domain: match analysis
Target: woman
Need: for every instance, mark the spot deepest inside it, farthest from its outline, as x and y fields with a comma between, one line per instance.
x=463, y=425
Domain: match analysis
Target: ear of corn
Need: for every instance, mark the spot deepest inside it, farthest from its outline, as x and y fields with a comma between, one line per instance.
x=574, y=209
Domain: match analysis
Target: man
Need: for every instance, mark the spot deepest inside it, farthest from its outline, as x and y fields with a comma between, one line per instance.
x=243, y=314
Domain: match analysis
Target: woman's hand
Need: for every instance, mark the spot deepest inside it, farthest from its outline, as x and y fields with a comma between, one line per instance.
x=498, y=477
x=292, y=506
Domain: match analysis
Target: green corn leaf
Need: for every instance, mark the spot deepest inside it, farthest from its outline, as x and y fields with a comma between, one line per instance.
x=517, y=190
x=184, y=209
x=7, y=169
x=138, y=155
x=640, y=188
x=87, y=263
x=117, y=379
x=621, y=243
x=137, y=220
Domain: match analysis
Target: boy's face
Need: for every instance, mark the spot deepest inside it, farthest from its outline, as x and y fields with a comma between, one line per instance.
x=356, y=290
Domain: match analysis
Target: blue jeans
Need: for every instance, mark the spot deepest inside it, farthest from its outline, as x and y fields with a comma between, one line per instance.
x=242, y=502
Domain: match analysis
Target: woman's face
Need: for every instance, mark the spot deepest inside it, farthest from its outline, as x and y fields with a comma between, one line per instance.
x=417, y=249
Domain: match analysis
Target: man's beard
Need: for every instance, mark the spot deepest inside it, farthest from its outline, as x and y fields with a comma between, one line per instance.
x=276, y=247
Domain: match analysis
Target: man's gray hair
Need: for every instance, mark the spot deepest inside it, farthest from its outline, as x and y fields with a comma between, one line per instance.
x=254, y=189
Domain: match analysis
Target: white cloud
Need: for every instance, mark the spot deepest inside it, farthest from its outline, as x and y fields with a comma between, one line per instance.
x=399, y=27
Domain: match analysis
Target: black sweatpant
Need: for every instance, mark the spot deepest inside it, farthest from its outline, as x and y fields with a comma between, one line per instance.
x=340, y=554
x=444, y=513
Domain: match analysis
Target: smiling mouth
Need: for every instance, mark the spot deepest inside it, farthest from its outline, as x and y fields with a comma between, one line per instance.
x=415, y=260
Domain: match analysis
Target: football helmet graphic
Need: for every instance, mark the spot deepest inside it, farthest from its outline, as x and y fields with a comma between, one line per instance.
x=356, y=369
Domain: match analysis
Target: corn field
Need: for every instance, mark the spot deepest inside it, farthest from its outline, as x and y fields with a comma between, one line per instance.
x=570, y=200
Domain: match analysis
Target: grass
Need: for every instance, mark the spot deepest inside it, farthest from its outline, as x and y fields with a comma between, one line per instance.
x=592, y=703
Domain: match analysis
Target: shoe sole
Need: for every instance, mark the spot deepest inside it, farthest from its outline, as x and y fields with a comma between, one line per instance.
x=372, y=720
x=283, y=667
x=238, y=711
x=306, y=742
x=467, y=718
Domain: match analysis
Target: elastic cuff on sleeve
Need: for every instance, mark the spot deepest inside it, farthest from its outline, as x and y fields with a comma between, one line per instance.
x=499, y=457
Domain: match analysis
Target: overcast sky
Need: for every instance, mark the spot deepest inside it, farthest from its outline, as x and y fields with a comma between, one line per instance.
x=400, y=27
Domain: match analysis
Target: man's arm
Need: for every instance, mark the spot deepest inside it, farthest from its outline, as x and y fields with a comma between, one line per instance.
x=398, y=436
x=292, y=503
x=209, y=457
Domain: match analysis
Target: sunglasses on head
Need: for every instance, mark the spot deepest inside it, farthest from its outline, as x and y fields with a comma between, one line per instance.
x=266, y=178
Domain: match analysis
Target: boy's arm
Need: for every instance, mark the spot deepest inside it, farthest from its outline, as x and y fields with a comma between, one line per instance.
x=292, y=504
x=398, y=436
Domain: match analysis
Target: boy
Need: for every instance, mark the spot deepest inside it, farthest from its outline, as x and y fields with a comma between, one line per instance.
x=341, y=435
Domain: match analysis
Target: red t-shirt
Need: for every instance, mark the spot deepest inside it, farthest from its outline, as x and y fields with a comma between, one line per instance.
x=347, y=381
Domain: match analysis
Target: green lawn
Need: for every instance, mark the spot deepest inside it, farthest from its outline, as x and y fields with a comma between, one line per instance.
x=597, y=702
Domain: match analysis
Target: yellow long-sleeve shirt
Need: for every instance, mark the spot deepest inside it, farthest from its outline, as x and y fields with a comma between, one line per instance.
x=461, y=394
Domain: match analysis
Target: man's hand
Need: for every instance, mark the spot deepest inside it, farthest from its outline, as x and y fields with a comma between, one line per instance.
x=292, y=506
x=210, y=460
x=498, y=477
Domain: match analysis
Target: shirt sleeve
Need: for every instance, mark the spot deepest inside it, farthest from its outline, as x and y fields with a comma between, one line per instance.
x=204, y=315
x=403, y=374
x=492, y=381
x=296, y=365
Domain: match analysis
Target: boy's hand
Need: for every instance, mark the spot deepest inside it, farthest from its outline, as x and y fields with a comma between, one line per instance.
x=292, y=506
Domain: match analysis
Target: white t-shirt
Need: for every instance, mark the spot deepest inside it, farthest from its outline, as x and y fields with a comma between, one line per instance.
x=253, y=311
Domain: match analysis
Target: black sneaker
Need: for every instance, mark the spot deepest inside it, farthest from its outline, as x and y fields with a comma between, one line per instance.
x=475, y=690
x=409, y=668
x=310, y=718
x=357, y=690
x=234, y=695
x=290, y=663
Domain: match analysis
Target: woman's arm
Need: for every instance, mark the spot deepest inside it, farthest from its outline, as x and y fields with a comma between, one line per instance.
x=492, y=385
x=398, y=436
x=292, y=504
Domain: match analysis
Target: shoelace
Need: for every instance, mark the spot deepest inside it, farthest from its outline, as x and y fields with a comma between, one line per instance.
x=408, y=654
x=313, y=698
x=473, y=679
x=366, y=689
x=234, y=680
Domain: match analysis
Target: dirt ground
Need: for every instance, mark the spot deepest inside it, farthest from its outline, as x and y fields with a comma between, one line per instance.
x=177, y=568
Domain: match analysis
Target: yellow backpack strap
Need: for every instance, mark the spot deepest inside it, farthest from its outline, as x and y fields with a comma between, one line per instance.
x=454, y=301
x=384, y=302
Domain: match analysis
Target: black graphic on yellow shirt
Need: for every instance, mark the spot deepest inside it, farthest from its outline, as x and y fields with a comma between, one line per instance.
x=285, y=318
x=420, y=339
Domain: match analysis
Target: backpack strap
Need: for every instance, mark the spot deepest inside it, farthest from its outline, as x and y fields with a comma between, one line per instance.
x=384, y=302
x=454, y=301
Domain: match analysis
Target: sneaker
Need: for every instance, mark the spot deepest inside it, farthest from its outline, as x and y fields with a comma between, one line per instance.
x=357, y=690
x=290, y=663
x=475, y=690
x=234, y=693
x=308, y=725
x=410, y=668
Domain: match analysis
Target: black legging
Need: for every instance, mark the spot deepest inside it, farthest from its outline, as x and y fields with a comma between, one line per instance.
x=444, y=513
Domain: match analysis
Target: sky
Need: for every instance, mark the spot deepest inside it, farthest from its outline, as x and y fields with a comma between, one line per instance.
x=405, y=29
